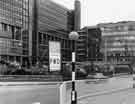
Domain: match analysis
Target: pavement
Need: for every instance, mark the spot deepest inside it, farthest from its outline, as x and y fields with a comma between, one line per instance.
x=29, y=93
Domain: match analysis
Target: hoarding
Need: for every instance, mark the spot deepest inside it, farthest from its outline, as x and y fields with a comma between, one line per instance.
x=54, y=56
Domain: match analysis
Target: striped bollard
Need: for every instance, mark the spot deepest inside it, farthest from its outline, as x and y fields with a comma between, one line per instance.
x=73, y=93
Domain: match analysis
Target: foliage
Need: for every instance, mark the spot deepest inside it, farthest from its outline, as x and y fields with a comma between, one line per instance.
x=10, y=68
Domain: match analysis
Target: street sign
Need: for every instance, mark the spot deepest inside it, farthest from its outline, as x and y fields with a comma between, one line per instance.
x=54, y=56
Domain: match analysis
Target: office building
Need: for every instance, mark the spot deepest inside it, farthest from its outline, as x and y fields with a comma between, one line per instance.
x=26, y=26
x=13, y=23
x=51, y=21
x=118, y=41
x=82, y=46
x=88, y=45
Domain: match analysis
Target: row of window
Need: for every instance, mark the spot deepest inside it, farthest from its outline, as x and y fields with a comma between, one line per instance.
x=54, y=6
x=9, y=28
x=44, y=38
x=14, y=11
x=57, y=14
x=119, y=49
x=118, y=28
x=120, y=59
x=120, y=54
x=66, y=45
x=54, y=17
x=11, y=51
x=119, y=45
x=122, y=38
x=9, y=43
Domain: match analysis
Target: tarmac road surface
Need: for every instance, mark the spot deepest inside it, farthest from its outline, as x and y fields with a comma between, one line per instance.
x=126, y=96
x=91, y=91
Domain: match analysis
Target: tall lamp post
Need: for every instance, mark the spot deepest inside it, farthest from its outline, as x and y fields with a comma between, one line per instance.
x=73, y=36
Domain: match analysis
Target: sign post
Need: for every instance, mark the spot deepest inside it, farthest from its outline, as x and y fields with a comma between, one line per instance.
x=73, y=36
x=54, y=56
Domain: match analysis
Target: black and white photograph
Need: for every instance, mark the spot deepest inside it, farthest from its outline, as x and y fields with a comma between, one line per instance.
x=67, y=52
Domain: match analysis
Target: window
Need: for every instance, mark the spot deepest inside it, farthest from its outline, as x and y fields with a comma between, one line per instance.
x=13, y=29
x=131, y=28
x=0, y=26
x=4, y=27
x=9, y=28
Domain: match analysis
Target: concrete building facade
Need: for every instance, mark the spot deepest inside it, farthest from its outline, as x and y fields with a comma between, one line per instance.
x=26, y=26
x=52, y=21
x=118, y=41
x=88, y=47
x=13, y=23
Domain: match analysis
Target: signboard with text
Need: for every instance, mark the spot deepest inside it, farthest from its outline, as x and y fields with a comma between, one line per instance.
x=54, y=56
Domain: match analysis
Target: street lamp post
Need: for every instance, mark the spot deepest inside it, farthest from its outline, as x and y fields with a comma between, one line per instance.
x=73, y=36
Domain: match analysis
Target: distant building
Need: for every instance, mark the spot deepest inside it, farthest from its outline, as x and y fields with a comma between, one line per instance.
x=118, y=41
x=88, y=45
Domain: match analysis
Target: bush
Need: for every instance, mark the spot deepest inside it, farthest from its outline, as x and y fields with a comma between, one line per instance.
x=35, y=70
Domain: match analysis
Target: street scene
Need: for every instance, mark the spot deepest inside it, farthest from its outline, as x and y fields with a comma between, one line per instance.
x=67, y=52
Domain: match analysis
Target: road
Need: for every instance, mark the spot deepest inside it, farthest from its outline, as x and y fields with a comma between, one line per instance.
x=120, y=97
x=88, y=88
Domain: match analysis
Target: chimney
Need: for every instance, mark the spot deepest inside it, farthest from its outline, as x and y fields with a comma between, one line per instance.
x=77, y=15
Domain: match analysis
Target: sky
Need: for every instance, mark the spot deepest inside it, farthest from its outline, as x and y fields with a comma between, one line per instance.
x=103, y=11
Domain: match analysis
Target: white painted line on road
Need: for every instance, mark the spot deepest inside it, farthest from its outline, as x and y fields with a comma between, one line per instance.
x=36, y=103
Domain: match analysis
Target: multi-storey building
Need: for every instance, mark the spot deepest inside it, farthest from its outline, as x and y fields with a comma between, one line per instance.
x=26, y=26
x=88, y=47
x=51, y=21
x=13, y=23
x=81, y=46
x=118, y=41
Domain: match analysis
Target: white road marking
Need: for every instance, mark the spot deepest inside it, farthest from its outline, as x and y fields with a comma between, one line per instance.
x=36, y=103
